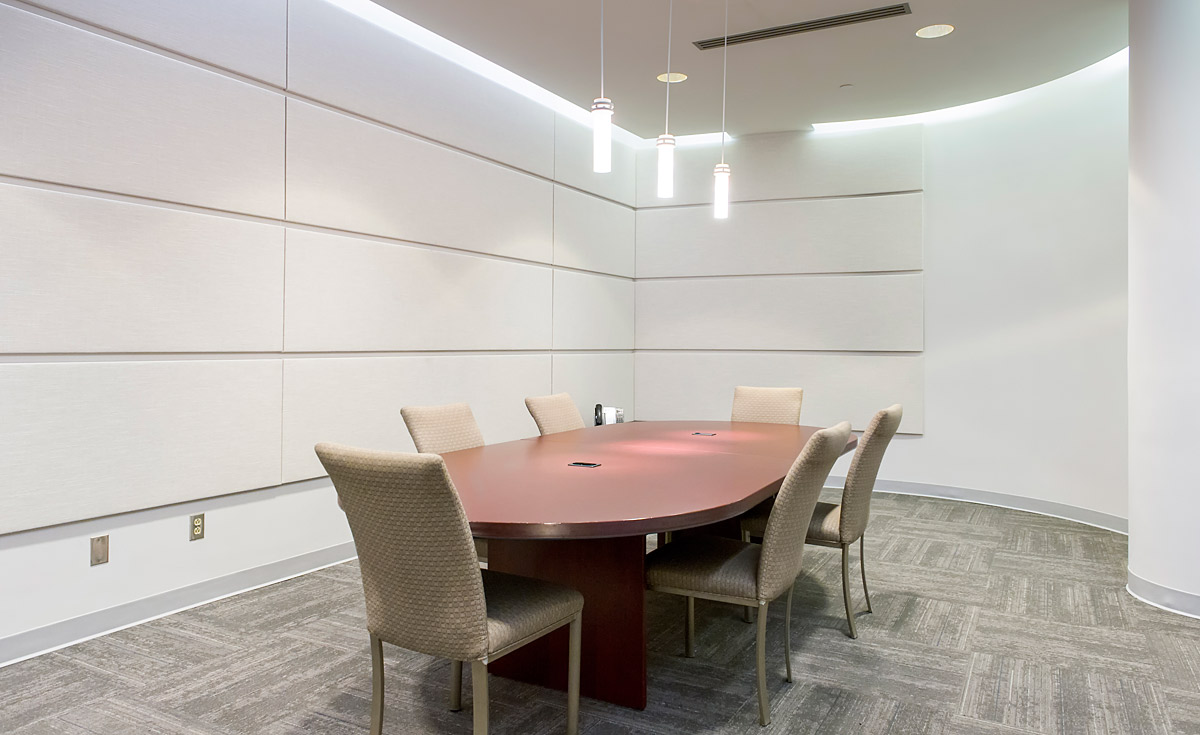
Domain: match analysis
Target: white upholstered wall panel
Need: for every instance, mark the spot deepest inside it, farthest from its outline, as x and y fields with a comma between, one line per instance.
x=246, y=37
x=877, y=312
x=353, y=64
x=573, y=163
x=598, y=377
x=845, y=235
x=676, y=385
x=793, y=165
x=356, y=176
x=592, y=312
x=358, y=400
x=346, y=293
x=85, y=110
x=592, y=234
x=82, y=440
x=83, y=274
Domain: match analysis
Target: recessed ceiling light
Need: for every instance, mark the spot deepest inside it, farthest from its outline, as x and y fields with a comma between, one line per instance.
x=674, y=77
x=935, y=31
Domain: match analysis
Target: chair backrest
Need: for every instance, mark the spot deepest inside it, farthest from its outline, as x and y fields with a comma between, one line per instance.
x=441, y=429
x=419, y=570
x=767, y=405
x=555, y=413
x=787, y=526
x=864, y=469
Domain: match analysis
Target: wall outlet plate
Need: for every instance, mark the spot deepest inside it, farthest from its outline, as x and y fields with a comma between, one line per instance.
x=196, y=528
x=99, y=550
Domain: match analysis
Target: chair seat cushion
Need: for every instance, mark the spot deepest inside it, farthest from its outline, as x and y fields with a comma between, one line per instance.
x=826, y=523
x=706, y=564
x=521, y=607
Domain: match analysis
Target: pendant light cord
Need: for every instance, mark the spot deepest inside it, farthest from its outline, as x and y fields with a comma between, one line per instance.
x=601, y=48
x=670, y=18
x=724, y=78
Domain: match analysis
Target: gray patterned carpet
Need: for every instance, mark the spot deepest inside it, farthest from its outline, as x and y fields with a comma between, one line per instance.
x=986, y=621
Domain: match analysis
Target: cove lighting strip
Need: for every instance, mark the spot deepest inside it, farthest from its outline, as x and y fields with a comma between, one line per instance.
x=447, y=49
x=1100, y=69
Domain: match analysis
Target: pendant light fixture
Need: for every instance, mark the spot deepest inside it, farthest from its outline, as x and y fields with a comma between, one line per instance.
x=602, y=112
x=666, y=141
x=722, y=171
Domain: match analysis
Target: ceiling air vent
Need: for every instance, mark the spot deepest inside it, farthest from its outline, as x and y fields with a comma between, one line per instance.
x=862, y=16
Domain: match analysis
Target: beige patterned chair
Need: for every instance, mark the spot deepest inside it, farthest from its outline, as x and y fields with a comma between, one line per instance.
x=840, y=525
x=728, y=570
x=555, y=413
x=441, y=429
x=767, y=405
x=424, y=590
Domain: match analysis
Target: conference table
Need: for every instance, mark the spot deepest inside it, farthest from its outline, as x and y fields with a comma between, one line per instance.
x=585, y=527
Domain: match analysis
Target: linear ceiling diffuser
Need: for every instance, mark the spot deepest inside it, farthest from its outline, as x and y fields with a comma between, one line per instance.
x=862, y=16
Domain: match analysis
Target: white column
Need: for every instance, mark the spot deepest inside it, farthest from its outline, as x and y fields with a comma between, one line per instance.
x=1164, y=303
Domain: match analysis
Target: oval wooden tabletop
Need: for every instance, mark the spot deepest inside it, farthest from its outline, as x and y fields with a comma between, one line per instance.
x=652, y=476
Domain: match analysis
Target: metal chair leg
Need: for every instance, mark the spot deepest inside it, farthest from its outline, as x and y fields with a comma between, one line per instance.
x=479, y=687
x=764, y=709
x=455, y=686
x=846, y=588
x=862, y=565
x=376, y=685
x=573, y=677
x=689, y=634
x=746, y=610
x=787, y=631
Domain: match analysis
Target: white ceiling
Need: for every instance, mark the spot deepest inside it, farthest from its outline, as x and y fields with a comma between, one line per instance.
x=1000, y=46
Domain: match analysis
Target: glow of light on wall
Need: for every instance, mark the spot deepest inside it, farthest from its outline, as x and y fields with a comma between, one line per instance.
x=432, y=42
x=1100, y=69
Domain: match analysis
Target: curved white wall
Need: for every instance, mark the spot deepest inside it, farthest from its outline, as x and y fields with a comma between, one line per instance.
x=1025, y=301
x=1164, y=303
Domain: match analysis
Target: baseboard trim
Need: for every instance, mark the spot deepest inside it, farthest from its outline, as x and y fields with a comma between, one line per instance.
x=65, y=633
x=1002, y=500
x=1165, y=598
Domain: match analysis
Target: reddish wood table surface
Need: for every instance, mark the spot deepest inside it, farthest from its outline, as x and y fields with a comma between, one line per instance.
x=586, y=527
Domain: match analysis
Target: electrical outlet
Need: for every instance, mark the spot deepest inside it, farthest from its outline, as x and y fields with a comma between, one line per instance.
x=197, y=527
x=100, y=550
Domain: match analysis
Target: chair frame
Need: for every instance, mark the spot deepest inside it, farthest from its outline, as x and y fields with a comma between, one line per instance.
x=764, y=708
x=862, y=565
x=479, y=679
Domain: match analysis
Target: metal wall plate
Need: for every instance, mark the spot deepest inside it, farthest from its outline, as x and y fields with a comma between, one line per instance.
x=196, y=528
x=99, y=550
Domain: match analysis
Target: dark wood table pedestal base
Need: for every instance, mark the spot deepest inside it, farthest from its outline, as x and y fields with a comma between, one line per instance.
x=610, y=573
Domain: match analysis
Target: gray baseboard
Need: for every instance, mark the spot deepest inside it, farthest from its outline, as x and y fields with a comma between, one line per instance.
x=1016, y=502
x=51, y=637
x=1167, y=598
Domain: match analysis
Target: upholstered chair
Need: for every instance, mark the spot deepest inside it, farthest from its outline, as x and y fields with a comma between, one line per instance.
x=555, y=413
x=767, y=405
x=441, y=429
x=742, y=573
x=839, y=525
x=424, y=589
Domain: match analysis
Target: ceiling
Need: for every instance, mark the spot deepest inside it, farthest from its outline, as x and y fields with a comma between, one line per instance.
x=1000, y=46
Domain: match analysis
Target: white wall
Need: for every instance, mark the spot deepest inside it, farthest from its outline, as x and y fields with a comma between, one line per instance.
x=1164, y=304
x=1013, y=380
x=1025, y=298
x=814, y=280
x=233, y=233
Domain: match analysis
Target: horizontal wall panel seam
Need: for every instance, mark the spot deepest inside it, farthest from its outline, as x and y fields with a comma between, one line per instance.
x=58, y=357
x=864, y=195
x=323, y=229
x=752, y=351
x=234, y=76
x=115, y=35
x=716, y=276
